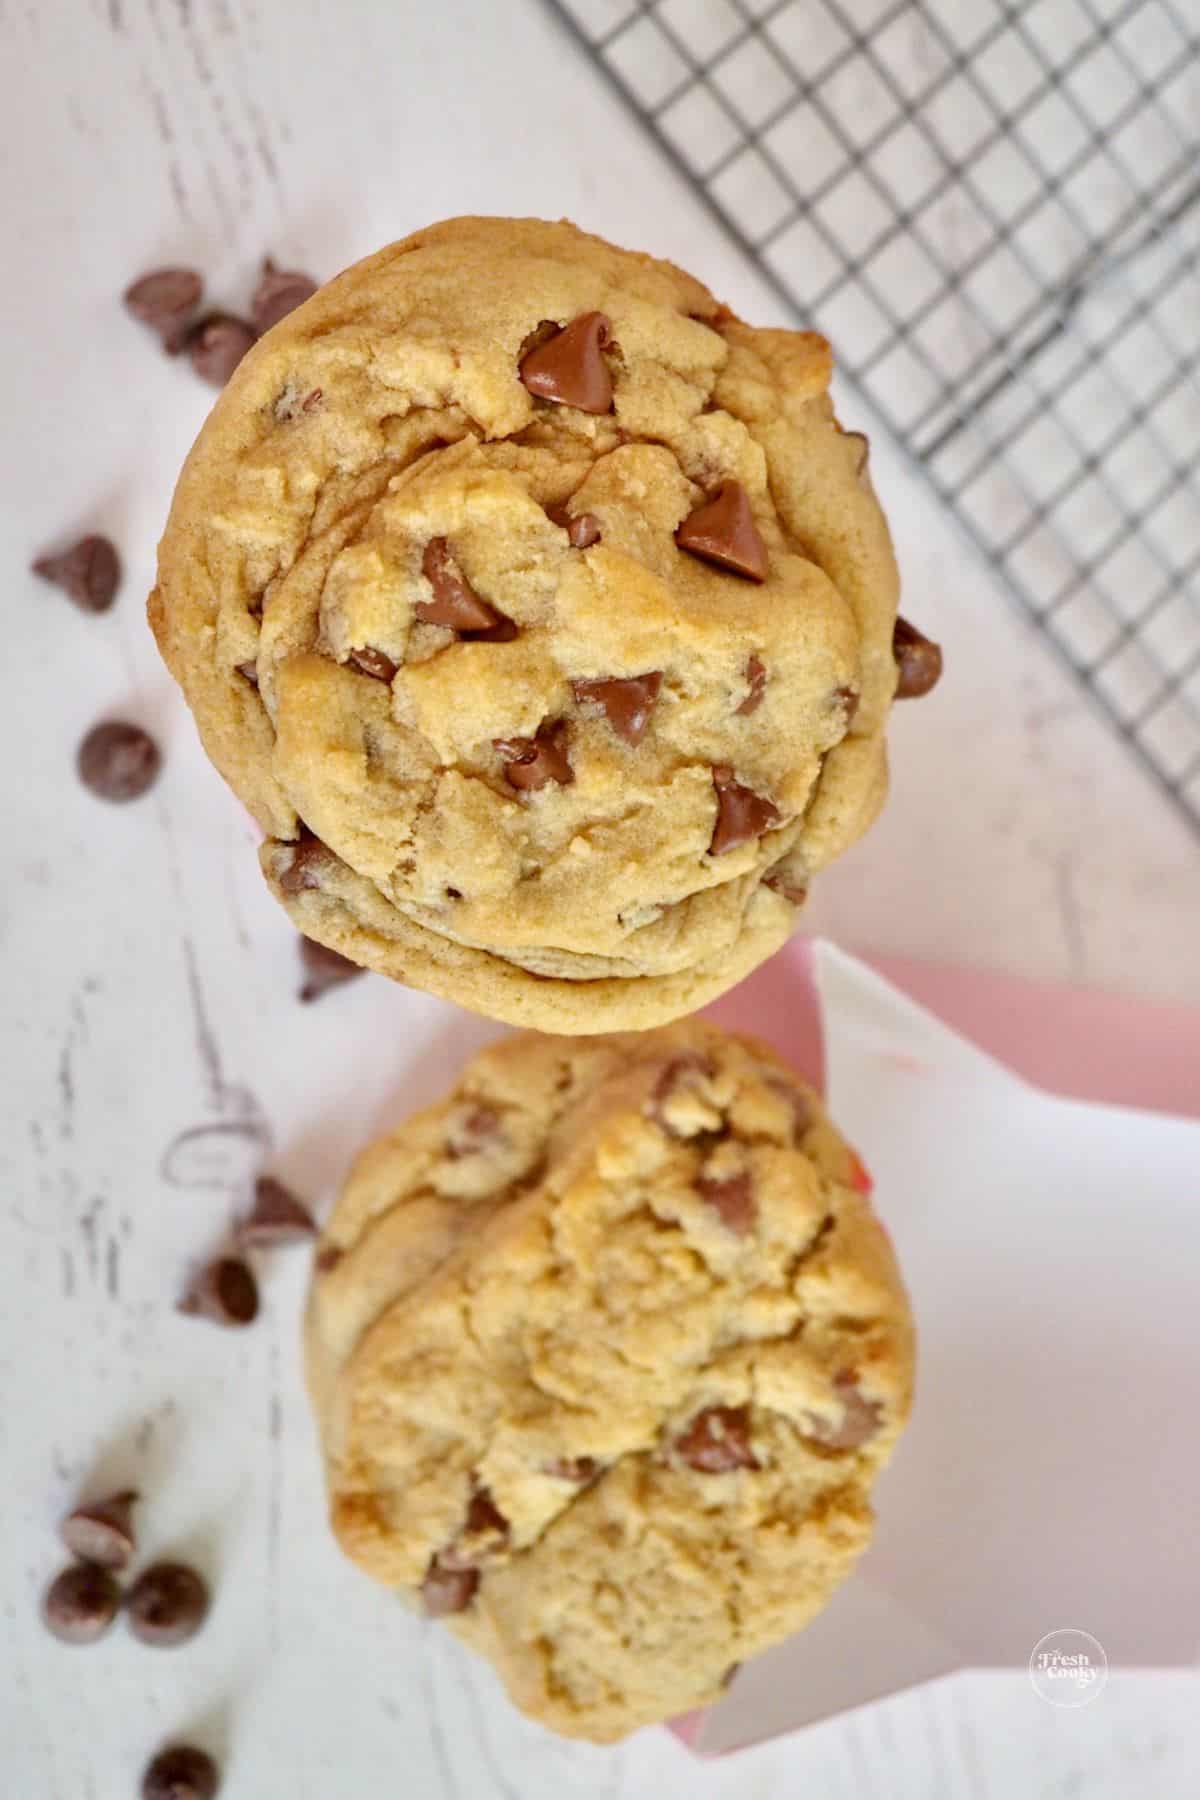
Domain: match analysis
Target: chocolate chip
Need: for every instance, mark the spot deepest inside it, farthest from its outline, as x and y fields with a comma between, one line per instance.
x=722, y=531
x=248, y=671
x=118, y=761
x=756, y=677
x=473, y=1132
x=102, y=1533
x=718, y=1439
x=918, y=661
x=181, y=1773
x=167, y=1605
x=279, y=292
x=81, y=1604
x=732, y=1199
x=741, y=813
x=225, y=1292
x=625, y=700
x=859, y=1421
x=374, y=662
x=801, y=1106
x=780, y=881
x=88, y=573
x=278, y=1217
x=309, y=858
x=532, y=762
x=569, y=368
x=455, y=603
x=324, y=969
x=848, y=698
x=217, y=345
x=578, y=1469
x=445, y=1591
x=165, y=300
x=582, y=529
x=688, y=1070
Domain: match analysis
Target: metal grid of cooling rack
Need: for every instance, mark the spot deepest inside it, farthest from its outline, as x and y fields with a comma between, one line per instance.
x=993, y=207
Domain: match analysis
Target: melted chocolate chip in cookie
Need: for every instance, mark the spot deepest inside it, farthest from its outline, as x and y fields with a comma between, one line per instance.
x=308, y=859
x=717, y=1440
x=374, y=663
x=722, y=531
x=859, y=1421
x=531, y=763
x=625, y=700
x=569, y=367
x=445, y=1591
x=732, y=1199
x=455, y=603
x=741, y=813
x=582, y=529
x=756, y=680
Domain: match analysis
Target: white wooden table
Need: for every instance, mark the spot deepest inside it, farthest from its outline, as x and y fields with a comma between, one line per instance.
x=149, y=979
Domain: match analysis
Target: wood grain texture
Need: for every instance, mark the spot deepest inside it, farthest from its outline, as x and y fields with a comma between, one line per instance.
x=156, y=1057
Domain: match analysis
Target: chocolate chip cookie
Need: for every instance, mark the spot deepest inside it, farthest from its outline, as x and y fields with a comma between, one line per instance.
x=542, y=614
x=606, y=1351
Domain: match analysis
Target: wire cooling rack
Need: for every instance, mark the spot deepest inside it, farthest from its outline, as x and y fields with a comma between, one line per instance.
x=993, y=208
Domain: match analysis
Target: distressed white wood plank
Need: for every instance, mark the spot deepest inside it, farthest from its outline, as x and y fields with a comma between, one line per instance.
x=149, y=979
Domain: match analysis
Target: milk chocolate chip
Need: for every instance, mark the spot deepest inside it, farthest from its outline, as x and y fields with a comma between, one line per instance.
x=102, y=1533
x=741, y=813
x=717, y=1440
x=81, y=1604
x=118, y=761
x=582, y=529
x=225, y=1292
x=165, y=300
x=217, y=345
x=279, y=292
x=532, y=762
x=918, y=661
x=625, y=700
x=374, y=662
x=859, y=1421
x=455, y=603
x=446, y=1591
x=88, y=573
x=167, y=1605
x=309, y=856
x=569, y=368
x=756, y=680
x=722, y=531
x=324, y=969
x=732, y=1199
x=181, y=1773
x=277, y=1217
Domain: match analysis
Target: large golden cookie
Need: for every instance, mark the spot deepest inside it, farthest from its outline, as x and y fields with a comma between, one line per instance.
x=541, y=613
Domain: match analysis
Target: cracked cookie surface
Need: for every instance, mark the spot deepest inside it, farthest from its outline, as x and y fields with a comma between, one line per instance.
x=606, y=1351
x=542, y=615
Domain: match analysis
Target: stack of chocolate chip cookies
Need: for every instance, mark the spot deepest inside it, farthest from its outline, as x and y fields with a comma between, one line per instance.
x=545, y=618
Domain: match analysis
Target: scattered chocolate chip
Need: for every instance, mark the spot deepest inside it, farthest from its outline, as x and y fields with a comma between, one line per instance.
x=455, y=603
x=278, y=1217
x=167, y=1605
x=445, y=1591
x=88, y=573
x=569, y=368
x=578, y=1469
x=732, y=1199
x=327, y=1257
x=81, y=1604
x=741, y=813
x=225, y=1292
x=756, y=677
x=165, y=300
x=801, y=1105
x=248, y=671
x=722, y=531
x=473, y=1131
x=311, y=401
x=217, y=345
x=718, y=1439
x=625, y=700
x=181, y=1773
x=532, y=762
x=309, y=857
x=279, y=292
x=582, y=529
x=324, y=969
x=102, y=1533
x=918, y=661
x=687, y=1070
x=780, y=881
x=373, y=662
x=117, y=761
x=484, y=1515
x=859, y=1421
